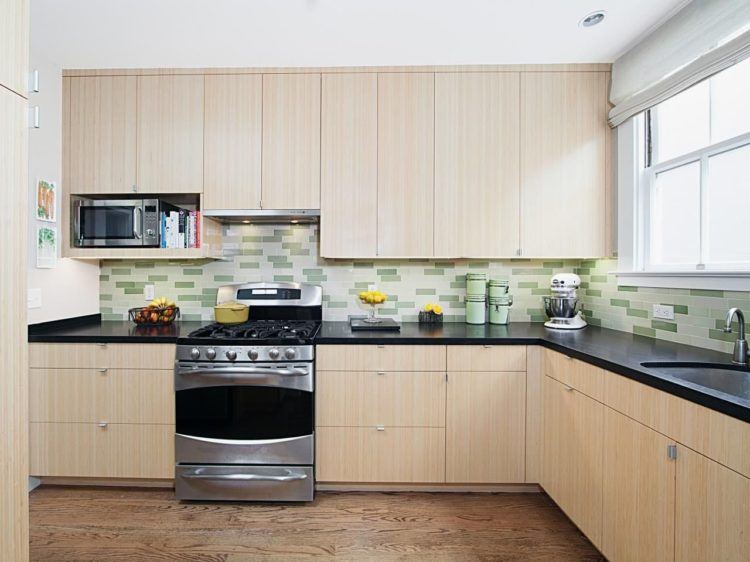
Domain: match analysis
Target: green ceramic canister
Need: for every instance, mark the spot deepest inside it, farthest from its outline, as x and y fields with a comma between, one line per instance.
x=500, y=309
x=498, y=287
x=475, y=309
x=476, y=284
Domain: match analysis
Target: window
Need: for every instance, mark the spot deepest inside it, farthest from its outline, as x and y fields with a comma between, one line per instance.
x=694, y=187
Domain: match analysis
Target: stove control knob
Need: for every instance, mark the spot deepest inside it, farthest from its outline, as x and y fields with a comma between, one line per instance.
x=231, y=355
x=273, y=353
x=290, y=353
x=195, y=353
x=253, y=354
x=211, y=353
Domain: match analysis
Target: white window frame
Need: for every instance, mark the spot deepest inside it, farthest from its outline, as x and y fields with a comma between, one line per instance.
x=634, y=182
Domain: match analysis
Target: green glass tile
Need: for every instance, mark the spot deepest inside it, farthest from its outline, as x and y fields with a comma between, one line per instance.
x=458, y=284
x=706, y=293
x=479, y=264
x=282, y=231
x=721, y=335
x=434, y=271
x=445, y=264
x=326, y=298
x=252, y=239
x=540, y=291
x=552, y=264
x=594, y=321
x=619, y=302
x=105, y=297
x=644, y=331
x=598, y=278
x=387, y=271
x=121, y=271
x=532, y=271
x=637, y=313
x=224, y=278
x=337, y=304
x=362, y=284
x=363, y=265
x=300, y=252
x=271, y=239
x=623, y=289
x=679, y=308
x=662, y=325
x=277, y=259
x=354, y=291
x=283, y=278
x=531, y=311
x=720, y=324
x=283, y=265
x=249, y=265
x=528, y=284
x=410, y=317
x=316, y=278
x=312, y=271
x=192, y=317
x=189, y=298
x=210, y=291
x=387, y=312
x=251, y=252
x=584, y=285
x=405, y=304
x=145, y=265
x=457, y=304
x=390, y=278
x=104, y=278
x=156, y=278
x=426, y=292
x=448, y=298
x=133, y=291
x=112, y=317
x=124, y=284
x=588, y=263
x=538, y=318
x=593, y=293
x=192, y=272
x=105, y=309
x=291, y=245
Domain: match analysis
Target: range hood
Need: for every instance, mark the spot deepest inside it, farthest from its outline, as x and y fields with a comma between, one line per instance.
x=264, y=216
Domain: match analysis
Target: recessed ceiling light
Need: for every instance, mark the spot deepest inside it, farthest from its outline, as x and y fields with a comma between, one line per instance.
x=592, y=19
x=246, y=222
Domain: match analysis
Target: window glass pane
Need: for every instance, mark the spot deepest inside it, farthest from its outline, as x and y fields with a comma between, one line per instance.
x=728, y=201
x=675, y=216
x=730, y=102
x=682, y=123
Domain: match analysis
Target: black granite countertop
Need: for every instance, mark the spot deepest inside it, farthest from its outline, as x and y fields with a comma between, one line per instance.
x=613, y=350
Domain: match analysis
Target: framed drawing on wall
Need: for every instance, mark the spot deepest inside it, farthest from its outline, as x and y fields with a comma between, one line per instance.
x=46, y=200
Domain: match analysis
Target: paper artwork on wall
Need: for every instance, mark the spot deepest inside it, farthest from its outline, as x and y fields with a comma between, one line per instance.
x=46, y=200
x=46, y=247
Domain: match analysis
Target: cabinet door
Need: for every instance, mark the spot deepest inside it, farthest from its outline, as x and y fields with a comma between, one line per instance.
x=572, y=448
x=563, y=163
x=349, y=166
x=639, y=492
x=477, y=140
x=101, y=134
x=291, y=141
x=232, y=141
x=406, y=198
x=712, y=510
x=14, y=45
x=170, y=134
x=485, y=427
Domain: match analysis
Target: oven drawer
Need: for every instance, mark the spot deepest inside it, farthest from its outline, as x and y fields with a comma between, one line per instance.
x=242, y=483
x=197, y=450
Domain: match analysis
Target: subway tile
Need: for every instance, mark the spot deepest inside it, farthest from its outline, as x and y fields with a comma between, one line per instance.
x=663, y=325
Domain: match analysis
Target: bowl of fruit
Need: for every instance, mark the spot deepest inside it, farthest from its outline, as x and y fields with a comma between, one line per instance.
x=432, y=314
x=372, y=299
x=159, y=312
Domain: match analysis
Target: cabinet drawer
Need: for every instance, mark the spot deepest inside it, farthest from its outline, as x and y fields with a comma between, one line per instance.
x=487, y=358
x=114, y=396
x=96, y=355
x=585, y=378
x=364, y=454
x=380, y=357
x=363, y=398
x=87, y=450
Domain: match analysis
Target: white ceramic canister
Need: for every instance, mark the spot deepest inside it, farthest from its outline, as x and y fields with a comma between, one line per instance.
x=476, y=309
x=498, y=287
x=500, y=309
x=476, y=284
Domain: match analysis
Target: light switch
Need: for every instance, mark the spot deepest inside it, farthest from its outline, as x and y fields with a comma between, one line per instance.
x=34, y=298
x=148, y=292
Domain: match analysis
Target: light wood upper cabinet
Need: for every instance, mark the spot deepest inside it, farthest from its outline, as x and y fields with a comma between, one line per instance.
x=712, y=510
x=563, y=164
x=349, y=166
x=477, y=138
x=291, y=141
x=485, y=427
x=14, y=45
x=232, y=142
x=572, y=449
x=639, y=492
x=101, y=134
x=406, y=199
x=170, y=134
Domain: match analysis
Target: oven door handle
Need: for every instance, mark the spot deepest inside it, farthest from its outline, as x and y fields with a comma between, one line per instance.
x=291, y=477
x=237, y=372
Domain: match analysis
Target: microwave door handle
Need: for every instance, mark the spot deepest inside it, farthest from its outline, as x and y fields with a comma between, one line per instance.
x=138, y=222
x=77, y=226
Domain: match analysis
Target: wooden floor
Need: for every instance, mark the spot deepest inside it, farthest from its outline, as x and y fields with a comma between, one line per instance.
x=75, y=523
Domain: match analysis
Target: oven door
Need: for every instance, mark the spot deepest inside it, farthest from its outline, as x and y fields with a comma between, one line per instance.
x=108, y=223
x=254, y=414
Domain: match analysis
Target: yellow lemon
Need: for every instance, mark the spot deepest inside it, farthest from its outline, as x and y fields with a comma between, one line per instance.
x=437, y=309
x=428, y=307
x=362, y=295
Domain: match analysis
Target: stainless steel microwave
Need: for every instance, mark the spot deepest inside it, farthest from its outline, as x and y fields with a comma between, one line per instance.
x=107, y=223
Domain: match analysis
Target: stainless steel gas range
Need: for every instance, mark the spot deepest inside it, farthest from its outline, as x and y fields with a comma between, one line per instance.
x=244, y=398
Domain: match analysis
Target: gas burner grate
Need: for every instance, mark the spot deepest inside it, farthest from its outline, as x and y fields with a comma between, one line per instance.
x=260, y=330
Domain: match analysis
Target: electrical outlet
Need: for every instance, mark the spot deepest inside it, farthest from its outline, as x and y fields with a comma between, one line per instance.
x=664, y=311
x=148, y=292
x=34, y=298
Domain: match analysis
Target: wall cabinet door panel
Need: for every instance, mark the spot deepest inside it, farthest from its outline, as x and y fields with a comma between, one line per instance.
x=563, y=164
x=232, y=141
x=406, y=198
x=170, y=134
x=291, y=141
x=101, y=134
x=349, y=166
x=14, y=45
x=477, y=141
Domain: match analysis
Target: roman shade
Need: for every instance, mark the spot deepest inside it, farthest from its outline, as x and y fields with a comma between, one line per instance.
x=703, y=38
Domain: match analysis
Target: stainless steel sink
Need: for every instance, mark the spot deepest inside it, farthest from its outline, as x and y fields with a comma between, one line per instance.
x=729, y=379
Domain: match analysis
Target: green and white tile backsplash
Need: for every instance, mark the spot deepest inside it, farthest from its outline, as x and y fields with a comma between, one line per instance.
x=290, y=253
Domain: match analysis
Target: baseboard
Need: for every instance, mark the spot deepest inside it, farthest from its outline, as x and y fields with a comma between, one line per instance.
x=121, y=482
x=396, y=487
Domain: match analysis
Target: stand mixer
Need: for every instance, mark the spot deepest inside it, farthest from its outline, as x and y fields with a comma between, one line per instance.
x=563, y=306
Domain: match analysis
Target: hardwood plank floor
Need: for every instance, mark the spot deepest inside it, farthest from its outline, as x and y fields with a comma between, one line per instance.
x=84, y=523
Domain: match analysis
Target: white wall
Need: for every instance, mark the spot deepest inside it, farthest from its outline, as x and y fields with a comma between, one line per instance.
x=72, y=287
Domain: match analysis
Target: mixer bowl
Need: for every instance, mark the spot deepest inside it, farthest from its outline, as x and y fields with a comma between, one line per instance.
x=560, y=307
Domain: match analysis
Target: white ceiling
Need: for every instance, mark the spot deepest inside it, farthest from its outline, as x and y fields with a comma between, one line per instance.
x=205, y=33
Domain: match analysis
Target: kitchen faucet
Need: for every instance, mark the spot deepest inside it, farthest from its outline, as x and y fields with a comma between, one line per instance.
x=739, y=356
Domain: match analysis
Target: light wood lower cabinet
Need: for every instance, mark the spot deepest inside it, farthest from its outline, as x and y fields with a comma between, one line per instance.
x=369, y=454
x=572, y=449
x=380, y=357
x=99, y=356
x=712, y=510
x=587, y=379
x=639, y=492
x=114, y=451
x=485, y=427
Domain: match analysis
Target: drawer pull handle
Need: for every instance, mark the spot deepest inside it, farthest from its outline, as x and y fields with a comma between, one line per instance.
x=381, y=373
x=102, y=344
x=487, y=346
x=103, y=425
x=568, y=388
x=380, y=428
x=381, y=347
x=103, y=370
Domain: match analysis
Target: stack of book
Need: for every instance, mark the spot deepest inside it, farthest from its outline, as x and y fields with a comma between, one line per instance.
x=180, y=228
